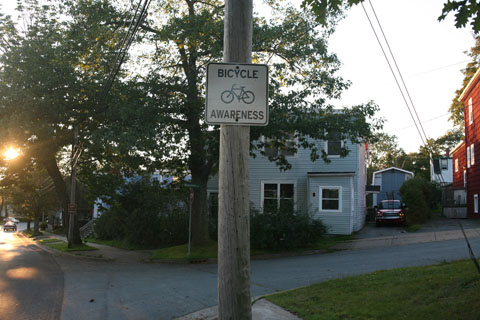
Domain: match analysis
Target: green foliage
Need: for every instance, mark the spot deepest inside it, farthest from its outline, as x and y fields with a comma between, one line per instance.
x=416, y=194
x=465, y=10
x=145, y=214
x=43, y=225
x=278, y=229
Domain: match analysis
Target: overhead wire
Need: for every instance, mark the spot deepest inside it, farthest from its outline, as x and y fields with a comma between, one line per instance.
x=395, y=76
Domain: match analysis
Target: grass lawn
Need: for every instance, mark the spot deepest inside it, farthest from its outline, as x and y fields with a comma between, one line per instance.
x=209, y=251
x=50, y=240
x=63, y=246
x=445, y=291
x=114, y=243
x=31, y=234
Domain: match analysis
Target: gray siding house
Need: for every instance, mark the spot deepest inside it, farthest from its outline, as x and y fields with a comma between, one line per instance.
x=390, y=180
x=333, y=192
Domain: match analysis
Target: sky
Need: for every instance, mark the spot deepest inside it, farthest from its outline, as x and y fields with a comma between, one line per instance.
x=430, y=55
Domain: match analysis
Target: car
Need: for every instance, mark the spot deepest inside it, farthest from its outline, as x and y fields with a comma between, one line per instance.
x=390, y=211
x=9, y=226
x=12, y=219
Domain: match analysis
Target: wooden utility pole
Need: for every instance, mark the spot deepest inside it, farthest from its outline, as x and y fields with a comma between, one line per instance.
x=234, y=300
x=72, y=208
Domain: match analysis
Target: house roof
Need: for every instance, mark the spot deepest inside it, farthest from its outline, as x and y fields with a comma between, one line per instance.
x=393, y=168
x=469, y=85
x=459, y=145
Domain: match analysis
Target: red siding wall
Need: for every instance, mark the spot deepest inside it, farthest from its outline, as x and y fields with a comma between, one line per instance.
x=459, y=153
x=472, y=136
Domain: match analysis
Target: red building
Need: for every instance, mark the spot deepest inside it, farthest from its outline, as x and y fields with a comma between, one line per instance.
x=465, y=159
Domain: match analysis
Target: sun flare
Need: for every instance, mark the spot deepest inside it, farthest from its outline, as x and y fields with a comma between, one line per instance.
x=11, y=154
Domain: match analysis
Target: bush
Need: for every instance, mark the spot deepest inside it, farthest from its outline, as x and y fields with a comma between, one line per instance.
x=415, y=194
x=43, y=225
x=145, y=214
x=278, y=229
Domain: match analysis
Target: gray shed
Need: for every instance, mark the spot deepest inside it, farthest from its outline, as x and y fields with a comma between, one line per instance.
x=390, y=180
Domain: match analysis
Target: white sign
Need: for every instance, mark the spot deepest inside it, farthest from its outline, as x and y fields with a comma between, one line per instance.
x=237, y=94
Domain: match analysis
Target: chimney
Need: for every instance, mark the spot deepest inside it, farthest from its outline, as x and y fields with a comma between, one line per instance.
x=447, y=152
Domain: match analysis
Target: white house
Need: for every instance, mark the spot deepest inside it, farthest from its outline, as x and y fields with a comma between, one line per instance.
x=334, y=192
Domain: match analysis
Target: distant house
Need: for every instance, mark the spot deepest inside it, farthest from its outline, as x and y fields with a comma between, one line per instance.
x=466, y=168
x=334, y=192
x=441, y=170
x=390, y=180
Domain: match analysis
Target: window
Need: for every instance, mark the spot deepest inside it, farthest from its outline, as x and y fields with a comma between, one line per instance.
x=456, y=165
x=330, y=199
x=468, y=157
x=475, y=203
x=472, y=155
x=470, y=111
x=444, y=164
x=464, y=178
x=278, y=195
x=271, y=150
x=334, y=144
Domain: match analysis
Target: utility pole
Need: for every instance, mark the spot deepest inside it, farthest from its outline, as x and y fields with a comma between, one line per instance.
x=234, y=300
x=72, y=208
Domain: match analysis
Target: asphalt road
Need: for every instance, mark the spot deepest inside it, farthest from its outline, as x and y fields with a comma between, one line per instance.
x=102, y=290
x=31, y=281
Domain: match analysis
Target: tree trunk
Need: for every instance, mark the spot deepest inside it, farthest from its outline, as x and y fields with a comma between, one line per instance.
x=28, y=224
x=199, y=211
x=36, y=222
x=51, y=166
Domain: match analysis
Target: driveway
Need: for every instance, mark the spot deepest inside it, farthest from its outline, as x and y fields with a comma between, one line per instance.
x=436, y=224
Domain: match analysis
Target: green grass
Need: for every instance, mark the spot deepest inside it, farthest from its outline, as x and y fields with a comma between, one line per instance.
x=413, y=228
x=445, y=291
x=50, y=240
x=63, y=247
x=31, y=234
x=209, y=251
x=114, y=243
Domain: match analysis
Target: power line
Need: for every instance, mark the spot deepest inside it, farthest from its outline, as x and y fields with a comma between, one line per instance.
x=399, y=72
x=431, y=119
x=394, y=75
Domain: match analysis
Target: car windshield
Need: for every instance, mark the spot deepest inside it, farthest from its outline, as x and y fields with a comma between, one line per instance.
x=390, y=205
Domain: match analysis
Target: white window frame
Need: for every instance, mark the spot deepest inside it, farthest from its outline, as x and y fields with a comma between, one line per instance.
x=472, y=155
x=475, y=203
x=456, y=165
x=320, y=198
x=342, y=145
x=470, y=111
x=278, y=183
x=464, y=178
x=443, y=164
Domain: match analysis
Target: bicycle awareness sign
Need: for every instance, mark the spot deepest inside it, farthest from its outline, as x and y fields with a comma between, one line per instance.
x=237, y=94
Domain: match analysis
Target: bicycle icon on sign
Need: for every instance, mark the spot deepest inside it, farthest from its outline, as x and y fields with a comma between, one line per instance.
x=246, y=96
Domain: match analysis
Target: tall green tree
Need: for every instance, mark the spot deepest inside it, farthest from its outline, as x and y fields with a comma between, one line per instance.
x=457, y=108
x=53, y=68
x=465, y=11
x=189, y=34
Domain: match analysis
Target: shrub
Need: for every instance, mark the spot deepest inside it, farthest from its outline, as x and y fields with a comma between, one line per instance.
x=145, y=214
x=286, y=228
x=415, y=194
x=43, y=225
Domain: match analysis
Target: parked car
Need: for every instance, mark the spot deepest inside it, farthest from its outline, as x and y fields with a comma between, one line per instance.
x=12, y=219
x=390, y=211
x=9, y=226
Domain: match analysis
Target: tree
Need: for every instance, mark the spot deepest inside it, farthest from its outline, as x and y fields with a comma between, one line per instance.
x=465, y=10
x=51, y=77
x=189, y=34
x=457, y=108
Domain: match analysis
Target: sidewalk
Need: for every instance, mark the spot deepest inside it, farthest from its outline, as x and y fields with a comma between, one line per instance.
x=407, y=238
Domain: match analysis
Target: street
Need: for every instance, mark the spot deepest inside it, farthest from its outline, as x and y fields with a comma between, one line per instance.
x=32, y=281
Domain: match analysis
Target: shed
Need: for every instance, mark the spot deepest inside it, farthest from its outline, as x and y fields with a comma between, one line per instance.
x=390, y=180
